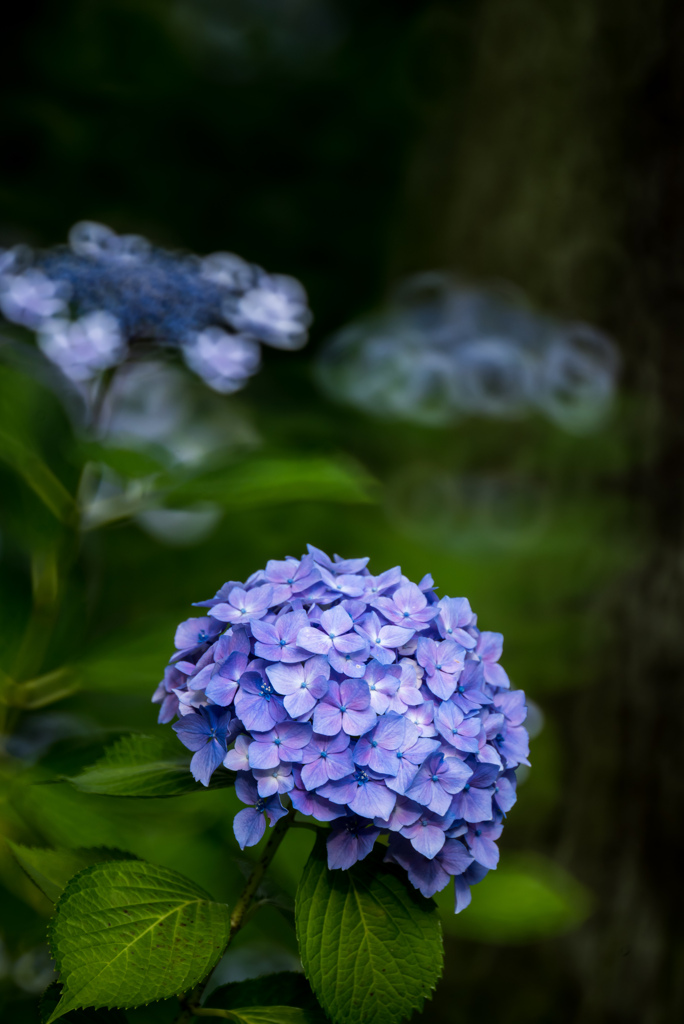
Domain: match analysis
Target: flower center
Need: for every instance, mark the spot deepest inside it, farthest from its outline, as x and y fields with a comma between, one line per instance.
x=360, y=777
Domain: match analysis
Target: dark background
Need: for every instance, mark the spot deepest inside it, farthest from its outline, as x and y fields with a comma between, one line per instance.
x=347, y=144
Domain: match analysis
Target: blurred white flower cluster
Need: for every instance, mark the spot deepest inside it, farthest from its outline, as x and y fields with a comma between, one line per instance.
x=442, y=349
x=92, y=301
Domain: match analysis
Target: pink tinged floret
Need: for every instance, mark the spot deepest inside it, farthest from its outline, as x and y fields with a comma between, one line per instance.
x=459, y=732
x=346, y=707
x=455, y=615
x=426, y=833
x=407, y=607
x=334, y=634
x=223, y=683
x=326, y=758
x=311, y=803
x=244, y=605
x=382, y=639
x=277, y=640
x=301, y=685
x=443, y=664
x=274, y=780
x=237, y=759
x=410, y=756
x=404, y=812
x=378, y=747
x=383, y=683
x=480, y=839
x=283, y=743
x=350, y=841
x=342, y=585
x=257, y=704
x=194, y=632
x=437, y=780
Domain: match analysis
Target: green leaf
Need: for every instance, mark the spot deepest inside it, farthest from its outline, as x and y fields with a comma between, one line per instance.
x=145, y=766
x=268, y=1015
x=264, y=481
x=371, y=946
x=527, y=898
x=285, y=987
x=50, y=1000
x=43, y=690
x=130, y=932
x=51, y=869
x=42, y=481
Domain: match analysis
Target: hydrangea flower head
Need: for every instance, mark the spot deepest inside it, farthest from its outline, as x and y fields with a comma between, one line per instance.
x=366, y=702
x=91, y=301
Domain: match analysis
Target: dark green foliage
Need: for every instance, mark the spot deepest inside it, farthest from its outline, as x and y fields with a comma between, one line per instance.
x=50, y=869
x=286, y=988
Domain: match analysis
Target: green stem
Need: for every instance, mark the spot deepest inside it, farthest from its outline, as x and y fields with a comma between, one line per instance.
x=199, y=1011
x=190, y=1007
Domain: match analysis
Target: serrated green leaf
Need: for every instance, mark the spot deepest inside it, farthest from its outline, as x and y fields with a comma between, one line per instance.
x=129, y=932
x=51, y=869
x=50, y=1000
x=371, y=946
x=288, y=988
x=145, y=766
x=269, y=1015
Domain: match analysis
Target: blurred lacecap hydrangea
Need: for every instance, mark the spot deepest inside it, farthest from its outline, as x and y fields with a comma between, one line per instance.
x=366, y=701
x=92, y=302
x=442, y=349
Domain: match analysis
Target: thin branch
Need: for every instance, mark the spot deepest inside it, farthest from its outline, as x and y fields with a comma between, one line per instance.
x=189, y=1005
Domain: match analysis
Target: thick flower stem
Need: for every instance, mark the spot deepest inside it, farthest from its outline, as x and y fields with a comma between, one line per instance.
x=190, y=1003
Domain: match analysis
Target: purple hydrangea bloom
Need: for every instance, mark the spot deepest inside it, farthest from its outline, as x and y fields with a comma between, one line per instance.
x=362, y=701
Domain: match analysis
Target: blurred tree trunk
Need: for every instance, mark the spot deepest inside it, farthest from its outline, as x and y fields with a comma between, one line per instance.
x=560, y=166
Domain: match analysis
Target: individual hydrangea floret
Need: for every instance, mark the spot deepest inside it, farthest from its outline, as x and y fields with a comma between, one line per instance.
x=364, y=701
x=96, y=299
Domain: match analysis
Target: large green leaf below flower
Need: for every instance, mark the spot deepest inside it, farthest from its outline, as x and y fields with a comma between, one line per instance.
x=371, y=945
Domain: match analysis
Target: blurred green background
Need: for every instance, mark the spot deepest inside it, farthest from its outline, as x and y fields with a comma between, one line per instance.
x=348, y=144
